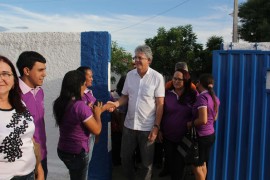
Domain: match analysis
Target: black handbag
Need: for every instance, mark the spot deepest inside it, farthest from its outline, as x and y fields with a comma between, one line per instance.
x=188, y=147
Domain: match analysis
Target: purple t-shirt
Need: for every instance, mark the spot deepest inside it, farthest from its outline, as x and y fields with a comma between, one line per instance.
x=35, y=105
x=175, y=117
x=205, y=99
x=74, y=136
x=89, y=97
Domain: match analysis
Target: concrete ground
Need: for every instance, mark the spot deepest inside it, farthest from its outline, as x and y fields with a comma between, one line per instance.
x=118, y=175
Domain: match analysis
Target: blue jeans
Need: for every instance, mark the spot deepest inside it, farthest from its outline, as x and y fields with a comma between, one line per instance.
x=30, y=176
x=130, y=140
x=77, y=164
x=91, y=145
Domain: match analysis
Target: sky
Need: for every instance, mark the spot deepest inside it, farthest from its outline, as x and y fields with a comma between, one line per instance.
x=129, y=22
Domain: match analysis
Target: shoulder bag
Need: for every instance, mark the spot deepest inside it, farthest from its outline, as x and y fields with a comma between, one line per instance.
x=188, y=147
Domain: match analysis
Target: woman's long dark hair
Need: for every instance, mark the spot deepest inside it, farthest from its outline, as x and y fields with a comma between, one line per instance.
x=207, y=81
x=14, y=96
x=189, y=95
x=70, y=90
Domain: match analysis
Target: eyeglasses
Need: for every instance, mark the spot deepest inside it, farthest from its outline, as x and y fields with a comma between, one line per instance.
x=177, y=79
x=135, y=58
x=5, y=75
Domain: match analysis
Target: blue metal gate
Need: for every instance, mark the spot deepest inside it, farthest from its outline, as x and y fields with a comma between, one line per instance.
x=242, y=147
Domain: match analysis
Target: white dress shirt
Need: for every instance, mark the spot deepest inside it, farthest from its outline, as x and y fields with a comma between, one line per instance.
x=142, y=93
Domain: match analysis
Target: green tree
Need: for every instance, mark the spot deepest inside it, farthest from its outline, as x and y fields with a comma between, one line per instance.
x=255, y=20
x=213, y=43
x=177, y=44
x=120, y=61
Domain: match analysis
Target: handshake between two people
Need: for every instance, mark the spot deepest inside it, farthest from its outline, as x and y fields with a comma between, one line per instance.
x=109, y=106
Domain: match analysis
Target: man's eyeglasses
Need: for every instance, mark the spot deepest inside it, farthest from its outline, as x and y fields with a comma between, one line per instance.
x=177, y=79
x=137, y=58
x=5, y=75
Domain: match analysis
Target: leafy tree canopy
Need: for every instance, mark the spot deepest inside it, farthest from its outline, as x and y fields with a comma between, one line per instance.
x=176, y=44
x=121, y=61
x=255, y=20
x=214, y=42
x=205, y=63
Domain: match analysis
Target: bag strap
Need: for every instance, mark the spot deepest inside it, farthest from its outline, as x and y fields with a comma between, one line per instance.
x=193, y=131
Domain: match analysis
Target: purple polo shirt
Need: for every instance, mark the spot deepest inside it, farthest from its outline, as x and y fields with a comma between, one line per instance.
x=175, y=117
x=205, y=100
x=34, y=100
x=74, y=136
x=88, y=97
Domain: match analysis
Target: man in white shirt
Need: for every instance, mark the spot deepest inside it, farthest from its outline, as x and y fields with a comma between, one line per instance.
x=144, y=92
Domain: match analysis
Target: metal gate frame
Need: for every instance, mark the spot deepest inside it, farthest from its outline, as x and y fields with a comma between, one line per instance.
x=241, y=150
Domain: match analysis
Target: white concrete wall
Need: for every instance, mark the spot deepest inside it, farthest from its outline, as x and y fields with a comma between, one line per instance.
x=263, y=46
x=61, y=50
x=63, y=53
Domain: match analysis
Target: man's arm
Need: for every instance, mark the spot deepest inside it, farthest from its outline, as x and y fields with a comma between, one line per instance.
x=159, y=112
x=110, y=106
x=123, y=100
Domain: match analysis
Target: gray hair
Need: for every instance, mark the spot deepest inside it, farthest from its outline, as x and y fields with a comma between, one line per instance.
x=146, y=50
x=181, y=65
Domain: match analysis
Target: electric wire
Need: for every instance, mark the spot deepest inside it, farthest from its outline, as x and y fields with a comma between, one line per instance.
x=152, y=17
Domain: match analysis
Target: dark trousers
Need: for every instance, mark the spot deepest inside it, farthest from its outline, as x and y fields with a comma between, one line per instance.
x=77, y=164
x=30, y=176
x=158, y=156
x=45, y=167
x=116, y=148
x=130, y=140
x=175, y=161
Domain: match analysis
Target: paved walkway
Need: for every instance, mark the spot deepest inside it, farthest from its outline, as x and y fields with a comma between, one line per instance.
x=118, y=175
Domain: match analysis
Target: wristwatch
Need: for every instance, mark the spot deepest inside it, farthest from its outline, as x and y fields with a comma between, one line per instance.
x=156, y=126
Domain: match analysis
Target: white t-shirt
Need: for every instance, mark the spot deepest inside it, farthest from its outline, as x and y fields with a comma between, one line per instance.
x=17, y=157
x=141, y=98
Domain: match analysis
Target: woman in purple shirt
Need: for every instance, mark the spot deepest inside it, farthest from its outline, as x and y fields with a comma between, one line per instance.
x=205, y=112
x=90, y=100
x=177, y=112
x=76, y=121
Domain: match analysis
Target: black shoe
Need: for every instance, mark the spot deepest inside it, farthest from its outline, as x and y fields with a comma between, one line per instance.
x=163, y=173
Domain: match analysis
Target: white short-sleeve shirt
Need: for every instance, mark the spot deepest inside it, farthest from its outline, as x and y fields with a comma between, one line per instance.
x=141, y=94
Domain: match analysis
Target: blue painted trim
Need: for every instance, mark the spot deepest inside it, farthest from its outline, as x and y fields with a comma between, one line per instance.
x=216, y=65
x=252, y=117
x=242, y=129
x=228, y=118
x=240, y=117
x=263, y=134
x=96, y=53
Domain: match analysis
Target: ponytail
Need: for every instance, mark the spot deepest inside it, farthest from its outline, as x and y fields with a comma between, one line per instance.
x=207, y=81
x=212, y=94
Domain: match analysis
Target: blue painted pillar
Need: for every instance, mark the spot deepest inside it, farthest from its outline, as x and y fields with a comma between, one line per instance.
x=96, y=53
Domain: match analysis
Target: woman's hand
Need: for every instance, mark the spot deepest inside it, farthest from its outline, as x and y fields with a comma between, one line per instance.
x=90, y=105
x=98, y=109
x=153, y=134
x=111, y=106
